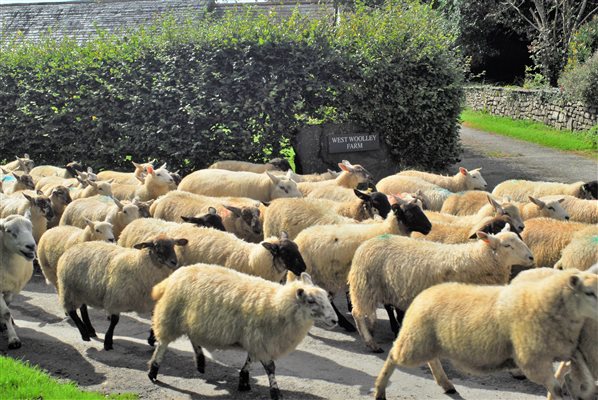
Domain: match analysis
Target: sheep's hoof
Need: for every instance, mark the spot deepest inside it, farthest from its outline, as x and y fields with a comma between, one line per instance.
x=451, y=391
x=275, y=394
x=85, y=338
x=201, y=365
x=377, y=350
x=14, y=344
x=382, y=397
x=108, y=346
x=91, y=333
x=518, y=375
x=348, y=327
x=244, y=381
x=153, y=372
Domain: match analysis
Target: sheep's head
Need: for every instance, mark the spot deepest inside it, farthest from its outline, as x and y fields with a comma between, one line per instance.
x=161, y=250
x=583, y=293
x=495, y=225
x=127, y=212
x=473, y=179
x=41, y=204
x=100, y=230
x=412, y=216
x=103, y=188
x=249, y=219
x=314, y=300
x=361, y=174
x=282, y=186
x=60, y=195
x=280, y=164
x=73, y=167
x=144, y=207
x=589, y=190
x=374, y=203
x=209, y=220
x=24, y=179
x=160, y=176
x=16, y=232
x=551, y=208
x=509, y=209
x=25, y=163
x=508, y=247
x=286, y=254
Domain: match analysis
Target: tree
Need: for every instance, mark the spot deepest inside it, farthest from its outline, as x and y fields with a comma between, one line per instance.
x=552, y=24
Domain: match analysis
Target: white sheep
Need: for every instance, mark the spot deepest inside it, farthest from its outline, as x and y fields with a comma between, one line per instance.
x=328, y=249
x=468, y=202
x=39, y=207
x=57, y=240
x=69, y=170
x=270, y=259
x=17, y=251
x=24, y=164
x=276, y=164
x=486, y=328
x=17, y=182
x=128, y=178
x=116, y=279
x=216, y=182
x=218, y=308
x=582, y=251
x=547, y=237
x=394, y=269
x=60, y=198
x=579, y=210
x=350, y=177
x=519, y=190
x=324, y=176
x=93, y=188
x=294, y=215
x=157, y=183
x=434, y=195
x=461, y=181
x=240, y=216
x=543, y=207
x=100, y=208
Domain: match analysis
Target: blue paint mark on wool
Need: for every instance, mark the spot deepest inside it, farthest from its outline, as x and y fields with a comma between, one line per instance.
x=8, y=178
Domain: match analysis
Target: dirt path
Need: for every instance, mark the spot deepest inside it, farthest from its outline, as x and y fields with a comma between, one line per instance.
x=327, y=365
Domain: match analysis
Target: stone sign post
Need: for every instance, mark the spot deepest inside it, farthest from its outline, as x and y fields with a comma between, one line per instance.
x=320, y=147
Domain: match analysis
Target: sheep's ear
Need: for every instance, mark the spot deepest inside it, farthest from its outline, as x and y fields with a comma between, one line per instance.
x=143, y=245
x=163, y=166
x=289, y=174
x=265, y=203
x=234, y=210
x=306, y=278
x=496, y=206
x=344, y=167
x=212, y=211
x=284, y=235
x=488, y=239
x=150, y=170
x=110, y=180
x=463, y=171
x=191, y=220
x=40, y=193
x=396, y=208
x=28, y=197
x=181, y=242
x=89, y=222
x=331, y=171
x=361, y=195
x=273, y=178
x=561, y=200
x=272, y=247
x=26, y=156
x=507, y=228
x=574, y=282
x=537, y=202
x=136, y=165
x=92, y=183
x=118, y=203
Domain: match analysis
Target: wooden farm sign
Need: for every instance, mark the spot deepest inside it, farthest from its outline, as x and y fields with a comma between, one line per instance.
x=353, y=142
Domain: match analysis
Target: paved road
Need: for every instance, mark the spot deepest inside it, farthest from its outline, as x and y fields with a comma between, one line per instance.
x=328, y=364
x=503, y=158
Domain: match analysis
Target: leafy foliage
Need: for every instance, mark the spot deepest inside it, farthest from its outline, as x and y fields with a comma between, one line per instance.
x=194, y=91
x=584, y=43
x=581, y=82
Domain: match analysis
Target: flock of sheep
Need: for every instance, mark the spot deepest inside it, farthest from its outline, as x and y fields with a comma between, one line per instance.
x=265, y=251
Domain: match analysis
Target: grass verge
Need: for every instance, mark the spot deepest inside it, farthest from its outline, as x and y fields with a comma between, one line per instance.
x=20, y=380
x=580, y=142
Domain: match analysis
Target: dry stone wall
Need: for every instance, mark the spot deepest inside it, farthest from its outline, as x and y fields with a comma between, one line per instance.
x=546, y=106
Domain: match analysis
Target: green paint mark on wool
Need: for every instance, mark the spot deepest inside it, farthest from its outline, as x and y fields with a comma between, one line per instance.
x=385, y=236
x=595, y=239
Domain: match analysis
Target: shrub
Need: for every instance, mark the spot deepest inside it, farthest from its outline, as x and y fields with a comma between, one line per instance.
x=581, y=82
x=583, y=43
x=191, y=92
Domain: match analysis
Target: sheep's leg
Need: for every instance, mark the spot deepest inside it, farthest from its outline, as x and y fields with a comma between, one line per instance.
x=13, y=340
x=342, y=321
x=85, y=317
x=80, y=325
x=580, y=381
x=349, y=304
x=200, y=359
x=244, y=376
x=440, y=376
x=383, y=378
x=394, y=324
x=151, y=340
x=541, y=372
x=157, y=360
x=110, y=333
x=365, y=334
x=270, y=369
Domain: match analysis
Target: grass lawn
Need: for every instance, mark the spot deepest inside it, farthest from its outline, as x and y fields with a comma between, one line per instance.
x=19, y=380
x=535, y=132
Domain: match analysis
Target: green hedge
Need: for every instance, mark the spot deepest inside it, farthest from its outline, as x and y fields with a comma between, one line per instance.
x=581, y=82
x=191, y=92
